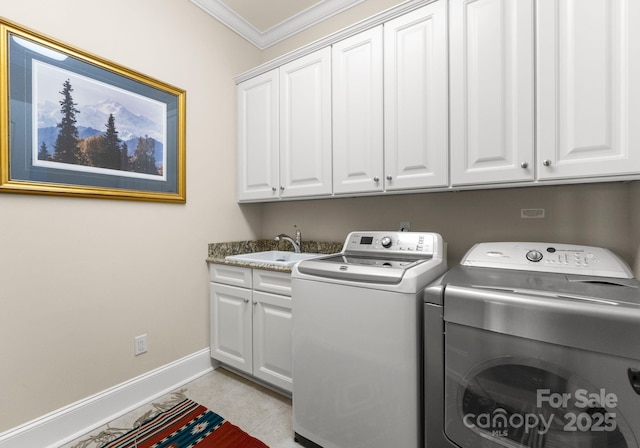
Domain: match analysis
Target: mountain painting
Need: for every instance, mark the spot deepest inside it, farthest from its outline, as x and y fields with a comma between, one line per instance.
x=86, y=125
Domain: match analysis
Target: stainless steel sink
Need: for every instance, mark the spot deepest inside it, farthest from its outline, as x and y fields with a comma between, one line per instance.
x=276, y=257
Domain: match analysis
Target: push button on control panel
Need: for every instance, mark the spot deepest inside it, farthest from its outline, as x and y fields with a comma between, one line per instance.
x=534, y=255
x=577, y=259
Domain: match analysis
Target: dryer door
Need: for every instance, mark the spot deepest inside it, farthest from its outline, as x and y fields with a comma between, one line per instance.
x=502, y=390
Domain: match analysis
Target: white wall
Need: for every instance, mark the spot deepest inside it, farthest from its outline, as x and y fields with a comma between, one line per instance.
x=80, y=278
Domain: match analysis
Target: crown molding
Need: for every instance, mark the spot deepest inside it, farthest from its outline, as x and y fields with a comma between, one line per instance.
x=283, y=30
x=378, y=19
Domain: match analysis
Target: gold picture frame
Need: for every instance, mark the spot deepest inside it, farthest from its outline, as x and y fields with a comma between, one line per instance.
x=74, y=124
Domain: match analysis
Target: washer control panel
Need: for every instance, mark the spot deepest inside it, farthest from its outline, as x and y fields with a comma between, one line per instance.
x=548, y=257
x=396, y=243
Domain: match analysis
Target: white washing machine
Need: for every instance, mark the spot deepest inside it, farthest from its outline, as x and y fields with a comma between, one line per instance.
x=533, y=345
x=357, y=325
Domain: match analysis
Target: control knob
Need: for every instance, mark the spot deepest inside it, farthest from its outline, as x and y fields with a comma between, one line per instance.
x=534, y=255
x=386, y=242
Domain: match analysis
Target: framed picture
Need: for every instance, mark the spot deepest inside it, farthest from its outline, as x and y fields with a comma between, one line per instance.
x=73, y=124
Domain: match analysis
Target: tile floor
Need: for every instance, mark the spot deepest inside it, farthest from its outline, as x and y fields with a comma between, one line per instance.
x=257, y=410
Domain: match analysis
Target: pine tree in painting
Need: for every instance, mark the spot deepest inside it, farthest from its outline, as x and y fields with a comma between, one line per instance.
x=124, y=157
x=66, y=146
x=43, y=152
x=112, y=154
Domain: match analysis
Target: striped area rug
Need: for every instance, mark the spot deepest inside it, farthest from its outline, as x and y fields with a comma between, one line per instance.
x=185, y=425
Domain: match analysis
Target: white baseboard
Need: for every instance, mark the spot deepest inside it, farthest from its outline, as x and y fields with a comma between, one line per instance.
x=73, y=421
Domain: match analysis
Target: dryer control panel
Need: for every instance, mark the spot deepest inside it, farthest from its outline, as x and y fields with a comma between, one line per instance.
x=548, y=257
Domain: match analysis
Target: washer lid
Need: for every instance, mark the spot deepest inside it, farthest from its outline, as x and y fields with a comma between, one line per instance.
x=548, y=257
x=379, y=262
x=359, y=268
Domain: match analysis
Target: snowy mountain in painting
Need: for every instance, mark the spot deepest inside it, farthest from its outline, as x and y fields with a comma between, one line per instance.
x=129, y=125
x=48, y=114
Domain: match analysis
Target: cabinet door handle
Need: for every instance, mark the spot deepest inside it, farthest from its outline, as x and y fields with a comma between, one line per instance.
x=389, y=177
x=273, y=189
x=524, y=165
x=376, y=179
x=546, y=162
x=282, y=188
x=255, y=302
x=246, y=300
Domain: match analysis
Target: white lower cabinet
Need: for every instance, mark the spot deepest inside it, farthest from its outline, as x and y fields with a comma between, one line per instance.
x=251, y=322
x=231, y=323
x=272, y=327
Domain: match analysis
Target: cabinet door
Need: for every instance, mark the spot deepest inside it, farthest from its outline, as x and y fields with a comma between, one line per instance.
x=305, y=125
x=415, y=99
x=492, y=91
x=357, y=113
x=258, y=137
x=272, y=349
x=231, y=326
x=588, y=88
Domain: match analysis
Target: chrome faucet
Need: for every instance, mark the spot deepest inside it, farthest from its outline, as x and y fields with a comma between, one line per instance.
x=295, y=243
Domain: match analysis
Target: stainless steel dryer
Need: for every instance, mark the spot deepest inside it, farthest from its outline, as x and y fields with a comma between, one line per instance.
x=533, y=345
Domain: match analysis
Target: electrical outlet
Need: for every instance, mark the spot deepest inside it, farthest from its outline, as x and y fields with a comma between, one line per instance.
x=405, y=226
x=140, y=345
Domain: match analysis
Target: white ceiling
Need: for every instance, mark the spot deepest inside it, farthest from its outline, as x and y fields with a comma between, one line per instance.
x=266, y=22
x=264, y=15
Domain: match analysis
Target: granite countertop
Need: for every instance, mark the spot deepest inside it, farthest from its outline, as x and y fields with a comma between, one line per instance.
x=218, y=251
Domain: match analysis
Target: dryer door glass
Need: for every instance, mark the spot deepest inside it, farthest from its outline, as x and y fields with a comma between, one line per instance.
x=502, y=390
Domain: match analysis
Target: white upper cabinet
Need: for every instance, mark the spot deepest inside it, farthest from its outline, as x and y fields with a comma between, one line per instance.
x=588, y=88
x=415, y=99
x=258, y=137
x=492, y=91
x=357, y=113
x=305, y=125
x=456, y=94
